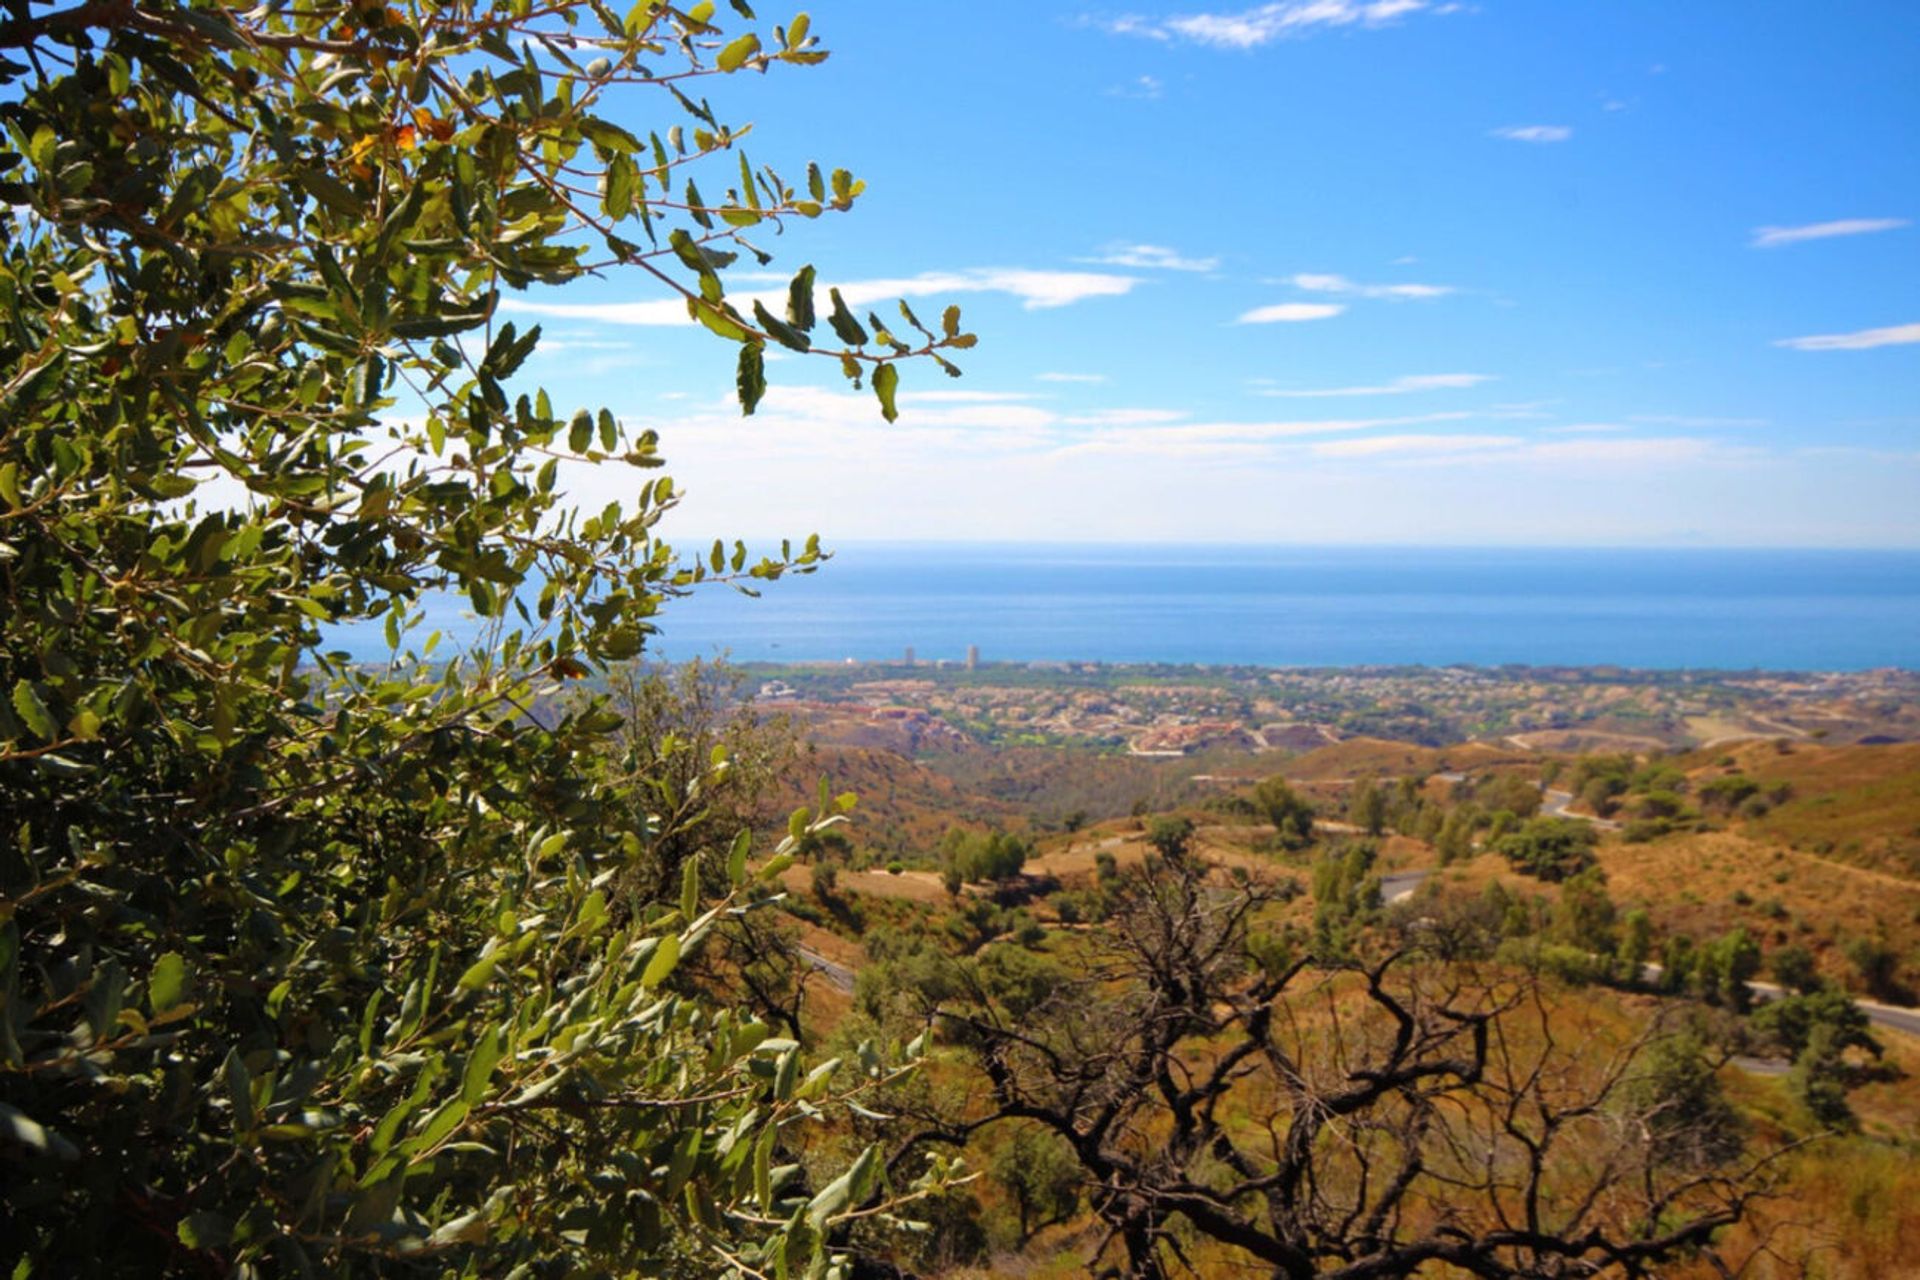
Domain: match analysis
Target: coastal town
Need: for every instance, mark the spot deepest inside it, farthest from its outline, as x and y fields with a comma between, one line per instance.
x=1163, y=710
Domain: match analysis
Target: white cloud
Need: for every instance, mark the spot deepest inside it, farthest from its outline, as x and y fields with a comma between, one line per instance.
x=1585, y=429
x=1619, y=452
x=1291, y=312
x=1069, y=377
x=1892, y=336
x=1125, y=417
x=1263, y=24
x=1409, y=445
x=1153, y=256
x=1534, y=132
x=1327, y=282
x=1140, y=89
x=1037, y=290
x=1171, y=439
x=1687, y=420
x=1774, y=237
x=1398, y=386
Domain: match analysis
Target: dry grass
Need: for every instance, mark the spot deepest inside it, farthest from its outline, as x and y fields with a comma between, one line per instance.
x=1708, y=883
x=1376, y=757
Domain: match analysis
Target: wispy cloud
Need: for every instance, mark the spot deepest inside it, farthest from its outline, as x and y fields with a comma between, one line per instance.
x=1069, y=377
x=1036, y=290
x=1399, y=386
x=1775, y=237
x=1585, y=429
x=1291, y=312
x=1534, y=132
x=1410, y=445
x=1264, y=24
x=1327, y=282
x=1687, y=420
x=1892, y=336
x=1155, y=257
x=1140, y=89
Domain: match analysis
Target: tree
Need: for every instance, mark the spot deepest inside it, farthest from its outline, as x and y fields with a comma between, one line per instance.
x=983, y=855
x=1170, y=836
x=1454, y=841
x=1637, y=944
x=1346, y=896
x=1290, y=812
x=1584, y=914
x=1039, y=1172
x=1552, y=849
x=1367, y=807
x=297, y=949
x=1404, y=1109
x=1725, y=968
x=1793, y=966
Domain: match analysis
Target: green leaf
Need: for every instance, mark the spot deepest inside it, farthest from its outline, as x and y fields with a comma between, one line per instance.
x=886, y=380
x=205, y=1230
x=738, y=51
x=750, y=377
x=239, y=1091
x=26, y=701
x=489, y=1048
x=782, y=332
x=844, y=325
x=690, y=888
x=479, y=973
x=800, y=300
x=167, y=985
x=737, y=858
x=442, y=1122
x=665, y=957
x=10, y=485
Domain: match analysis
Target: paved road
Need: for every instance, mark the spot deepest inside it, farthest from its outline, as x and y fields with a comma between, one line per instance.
x=1396, y=885
x=839, y=976
x=1554, y=805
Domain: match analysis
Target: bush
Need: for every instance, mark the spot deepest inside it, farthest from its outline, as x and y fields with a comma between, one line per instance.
x=896, y=867
x=991, y=855
x=297, y=949
x=1170, y=836
x=1550, y=849
x=1793, y=967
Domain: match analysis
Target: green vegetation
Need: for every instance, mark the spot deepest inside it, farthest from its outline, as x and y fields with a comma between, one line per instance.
x=317, y=968
x=520, y=960
x=1549, y=848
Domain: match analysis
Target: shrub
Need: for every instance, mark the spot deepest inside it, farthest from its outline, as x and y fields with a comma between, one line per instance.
x=1551, y=849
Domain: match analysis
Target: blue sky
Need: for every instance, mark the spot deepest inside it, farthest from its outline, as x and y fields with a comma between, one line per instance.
x=1326, y=271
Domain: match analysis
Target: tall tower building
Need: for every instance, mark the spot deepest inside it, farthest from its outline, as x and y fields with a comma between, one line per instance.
x=909, y=655
x=973, y=657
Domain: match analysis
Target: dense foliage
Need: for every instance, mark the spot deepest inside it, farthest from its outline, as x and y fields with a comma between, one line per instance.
x=309, y=965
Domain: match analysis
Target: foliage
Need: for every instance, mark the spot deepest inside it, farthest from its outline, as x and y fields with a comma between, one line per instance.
x=1170, y=835
x=1724, y=968
x=1690, y=1123
x=1793, y=967
x=1039, y=1171
x=317, y=966
x=1550, y=849
x=984, y=855
x=1367, y=807
x=1290, y=812
x=1346, y=896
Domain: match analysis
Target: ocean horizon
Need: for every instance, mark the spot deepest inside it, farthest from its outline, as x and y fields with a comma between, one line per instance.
x=1671, y=608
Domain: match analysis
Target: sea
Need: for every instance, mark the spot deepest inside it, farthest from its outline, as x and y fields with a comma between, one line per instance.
x=1290, y=606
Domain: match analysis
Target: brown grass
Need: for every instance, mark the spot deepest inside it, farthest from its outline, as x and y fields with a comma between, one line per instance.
x=1694, y=884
